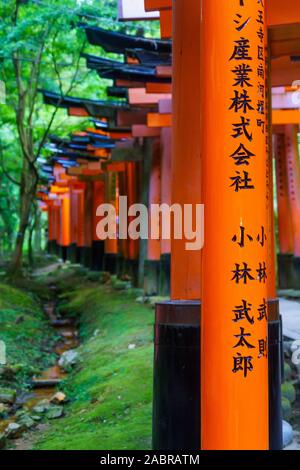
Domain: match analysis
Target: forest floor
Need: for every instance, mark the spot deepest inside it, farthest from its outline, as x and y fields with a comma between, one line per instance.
x=109, y=390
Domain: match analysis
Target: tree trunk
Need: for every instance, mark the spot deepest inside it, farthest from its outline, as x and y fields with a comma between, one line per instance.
x=27, y=196
x=30, y=247
x=37, y=232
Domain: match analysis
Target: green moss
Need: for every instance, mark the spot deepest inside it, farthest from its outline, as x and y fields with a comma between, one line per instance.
x=288, y=391
x=111, y=393
x=287, y=371
x=286, y=408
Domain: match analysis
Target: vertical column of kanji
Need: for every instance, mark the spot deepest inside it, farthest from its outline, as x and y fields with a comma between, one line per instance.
x=285, y=229
x=271, y=250
x=293, y=172
x=234, y=323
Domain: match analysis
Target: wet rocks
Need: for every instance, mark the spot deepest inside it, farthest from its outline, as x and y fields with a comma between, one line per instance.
x=288, y=434
x=55, y=412
x=41, y=407
x=14, y=430
x=68, y=359
x=58, y=398
x=27, y=421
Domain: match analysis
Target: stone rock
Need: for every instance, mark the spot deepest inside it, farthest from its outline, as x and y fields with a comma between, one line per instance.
x=7, y=396
x=59, y=398
x=26, y=421
x=41, y=407
x=55, y=412
x=14, y=430
x=35, y=417
x=288, y=434
x=2, y=441
x=68, y=359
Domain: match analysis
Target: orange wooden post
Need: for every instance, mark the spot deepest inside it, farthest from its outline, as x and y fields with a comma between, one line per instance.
x=186, y=160
x=80, y=223
x=111, y=258
x=152, y=263
x=74, y=225
x=181, y=316
x=57, y=224
x=97, y=245
x=285, y=228
x=293, y=172
x=88, y=224
x=51, y=228
x=234, y=364
x=65, y=226
x=271, y=246
x=166, y=165
x=132, y=194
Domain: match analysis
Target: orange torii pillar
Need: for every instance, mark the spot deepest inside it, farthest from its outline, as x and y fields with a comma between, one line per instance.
x=51, y=228
x=234, y=329
x=152, y=263
x=275, y=335
x=166, y=186
x=72, y=254
x=293, y=174
x=98, y=188
x=88, y=225
x=285, y=227
x=80, y=223
x=132, y=192
x=176, y=410
x=65, y=225
x=122, y=244
x=111, y=255
x=56, y=223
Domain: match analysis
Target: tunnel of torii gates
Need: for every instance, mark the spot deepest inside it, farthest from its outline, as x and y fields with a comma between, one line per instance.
x=201, y=116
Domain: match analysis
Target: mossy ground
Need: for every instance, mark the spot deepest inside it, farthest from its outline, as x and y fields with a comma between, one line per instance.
x=111, y=390
x=24, y=330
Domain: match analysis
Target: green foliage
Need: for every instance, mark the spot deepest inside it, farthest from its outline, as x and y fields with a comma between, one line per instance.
x=40, y=47
x=288, y=391
x=111, y=392
x=25, y=332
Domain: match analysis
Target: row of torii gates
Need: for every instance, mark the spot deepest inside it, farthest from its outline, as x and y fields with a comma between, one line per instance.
x=191, y=122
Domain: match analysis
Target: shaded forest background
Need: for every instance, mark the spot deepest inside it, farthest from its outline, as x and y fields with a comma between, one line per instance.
x=40, y=48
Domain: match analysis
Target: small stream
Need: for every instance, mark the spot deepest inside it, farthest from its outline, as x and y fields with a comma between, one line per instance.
x=45, y=385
